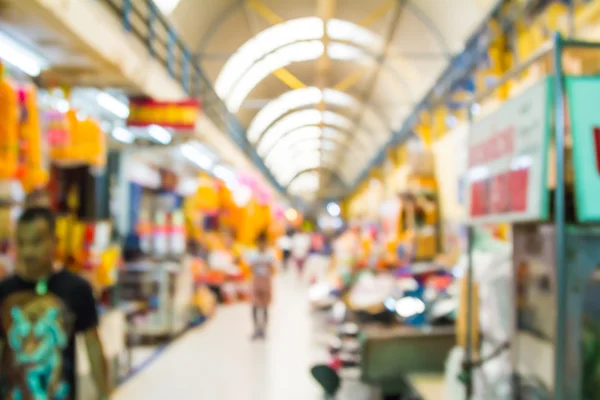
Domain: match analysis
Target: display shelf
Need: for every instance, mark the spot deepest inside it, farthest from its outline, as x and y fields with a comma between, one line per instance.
x=158, y=296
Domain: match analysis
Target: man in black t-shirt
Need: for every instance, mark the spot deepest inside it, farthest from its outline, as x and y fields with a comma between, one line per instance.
x=41, y=310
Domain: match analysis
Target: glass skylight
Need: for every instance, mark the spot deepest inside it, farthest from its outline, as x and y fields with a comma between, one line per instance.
x=280, y=106
x=166, y=6
x=283, y=157
x=306, y=182
x=287, y=124
x=296, y=52
x=346, y=31
x=295, y=99
x=267, y=41
x=282, y=44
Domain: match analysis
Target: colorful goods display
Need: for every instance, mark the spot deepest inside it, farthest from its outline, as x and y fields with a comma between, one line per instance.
x=76, y=141
x=9, y=128
x=177, y=115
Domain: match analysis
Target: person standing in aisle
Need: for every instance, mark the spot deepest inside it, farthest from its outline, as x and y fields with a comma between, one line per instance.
x=262, y=262
x=42, y=308
x=285, y=245
x=301, y=244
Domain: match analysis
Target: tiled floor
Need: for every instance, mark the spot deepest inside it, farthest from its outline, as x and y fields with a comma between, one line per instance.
x=219, y=362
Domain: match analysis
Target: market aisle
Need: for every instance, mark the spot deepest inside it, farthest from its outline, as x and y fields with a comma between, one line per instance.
x=219, y=362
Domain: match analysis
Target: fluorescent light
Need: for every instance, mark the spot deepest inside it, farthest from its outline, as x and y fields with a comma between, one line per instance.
x=159, y=134
x=166, y=6
x=333, y=209
x=242, y=195
x=61, y=105
x=195, y=156
x=113, y=105
x=291, y=214
x=123, y=135
x=226, y=175
x=15, y=55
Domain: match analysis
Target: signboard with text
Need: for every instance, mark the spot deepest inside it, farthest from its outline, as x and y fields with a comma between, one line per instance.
x=584, y=96
x=507, y=159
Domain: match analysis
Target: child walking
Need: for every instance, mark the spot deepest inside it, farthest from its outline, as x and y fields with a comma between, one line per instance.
x=262, y=263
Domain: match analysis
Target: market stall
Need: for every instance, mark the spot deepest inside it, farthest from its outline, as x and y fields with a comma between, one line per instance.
x=535, y=185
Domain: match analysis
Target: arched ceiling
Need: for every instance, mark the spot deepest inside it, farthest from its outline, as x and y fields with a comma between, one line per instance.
x=321, y=85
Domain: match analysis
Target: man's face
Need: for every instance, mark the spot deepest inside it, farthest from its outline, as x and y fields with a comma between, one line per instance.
x=35, y=247
x=262, y=245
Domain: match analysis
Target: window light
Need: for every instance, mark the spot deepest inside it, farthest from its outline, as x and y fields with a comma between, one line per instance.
x=340, y=99
x=226, y=175
x=307, y=182
x=267, y=41
x=345, y=31
x=296, y=99
x=333, y=209
x=293, y=137
x=335, y=119
x=345, y=52
x=306, y=161
x=287, y=124
x=296, y=52
x=112, y=104
x=123, y=135
x=166, y=6
x=284, y=156
x=298, y=40
x=298, y=119
x=199, y=155
x=160, y=134
x=282, y=105
x=19, y=57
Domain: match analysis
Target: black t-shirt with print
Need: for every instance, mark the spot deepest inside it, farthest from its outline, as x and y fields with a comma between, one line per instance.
x=38, y=332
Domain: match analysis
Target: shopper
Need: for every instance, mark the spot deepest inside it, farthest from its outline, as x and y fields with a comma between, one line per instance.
x=41, y=310
x=285, y=245
x=262, y=262
x=301, y=245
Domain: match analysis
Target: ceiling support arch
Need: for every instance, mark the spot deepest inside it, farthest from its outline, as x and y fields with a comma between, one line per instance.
x=217, y=22
x=329, y=142
x=397, y=75
x=429, y=24
x=363, y=135
x=325, y=127
x=386, y=125
x=318, y=169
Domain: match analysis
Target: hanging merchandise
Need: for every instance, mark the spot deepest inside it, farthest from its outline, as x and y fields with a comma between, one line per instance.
x=82, y=143
x=9, y=128
x=31, y=169
x=207, y=196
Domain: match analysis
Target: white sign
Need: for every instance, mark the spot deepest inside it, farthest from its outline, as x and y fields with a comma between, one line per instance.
x=506, y=177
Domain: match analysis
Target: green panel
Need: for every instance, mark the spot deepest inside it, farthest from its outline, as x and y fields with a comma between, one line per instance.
x=583, y=94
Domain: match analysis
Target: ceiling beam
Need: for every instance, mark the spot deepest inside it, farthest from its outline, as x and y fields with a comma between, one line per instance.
x=326, y=11
x=377, y=14
x=459, y=69
x=374, y=77
x=273, y=18
x=416, y=56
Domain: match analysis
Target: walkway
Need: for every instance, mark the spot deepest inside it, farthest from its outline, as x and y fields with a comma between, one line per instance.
x=219, y=362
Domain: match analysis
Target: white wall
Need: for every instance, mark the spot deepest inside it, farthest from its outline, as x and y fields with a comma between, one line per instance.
x=450, y=154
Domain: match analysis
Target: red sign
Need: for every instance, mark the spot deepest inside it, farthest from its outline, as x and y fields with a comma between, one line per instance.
x=506, y=179
x=168, y=114
x=500, y=194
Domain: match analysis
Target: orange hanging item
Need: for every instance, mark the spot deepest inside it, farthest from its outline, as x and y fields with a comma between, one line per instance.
x=34, y=176
x=9, y=129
